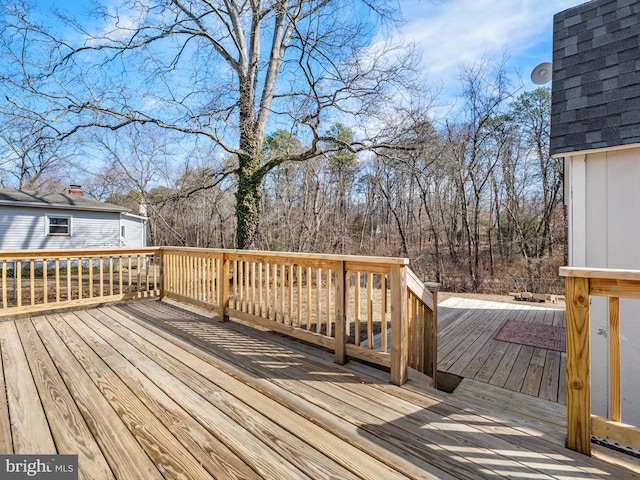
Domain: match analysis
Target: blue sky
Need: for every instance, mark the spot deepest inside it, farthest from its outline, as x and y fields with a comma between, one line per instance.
x=454, y=32
x=449, y=33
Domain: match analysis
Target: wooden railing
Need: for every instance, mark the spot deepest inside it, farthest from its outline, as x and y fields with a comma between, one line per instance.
x=581, y=283
x=38, y=280
x=369, y=308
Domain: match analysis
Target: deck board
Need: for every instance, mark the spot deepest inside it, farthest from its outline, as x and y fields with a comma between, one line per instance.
x=72, y=436
x=123, y=453
x=214, y=454
x=225, y=414
x=155, y=391
x=466, y=347
x=137, y=383
x=6, y=442
x=293, y=396
x=30, y=430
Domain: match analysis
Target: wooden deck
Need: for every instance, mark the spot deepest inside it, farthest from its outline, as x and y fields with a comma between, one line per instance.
x=148, y=390
x=466, y=347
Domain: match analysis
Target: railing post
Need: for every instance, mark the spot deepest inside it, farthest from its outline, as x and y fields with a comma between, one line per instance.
x=223, y=288
x=578, y=366
x=340, y=313
x=163, y=271
x=399, y=325
x=430, y=333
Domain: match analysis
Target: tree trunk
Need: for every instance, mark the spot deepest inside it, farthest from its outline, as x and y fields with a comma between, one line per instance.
x=248, y=197
x=249, y=193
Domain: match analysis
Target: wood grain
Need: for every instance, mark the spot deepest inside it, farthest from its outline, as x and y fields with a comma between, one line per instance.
x=615, y=402
x=578, y=358
x=158, y=443
x=399, y=326
x=623, y=434
x=123, y=453
x=137, y=371
x=340, y=313
x=72, y=435
x=321, y=393
x=253, y=437
x=241, y=402
x=600, y=273
x=29, y=426
x=6, y=442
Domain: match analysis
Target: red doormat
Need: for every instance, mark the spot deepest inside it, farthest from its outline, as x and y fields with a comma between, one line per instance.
x=537, y=335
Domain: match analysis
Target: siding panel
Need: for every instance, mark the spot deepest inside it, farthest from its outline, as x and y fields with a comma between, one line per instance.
x=134, y=230
x=24, y=228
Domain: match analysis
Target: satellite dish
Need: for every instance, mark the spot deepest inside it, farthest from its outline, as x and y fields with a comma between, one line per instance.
x=542, y=73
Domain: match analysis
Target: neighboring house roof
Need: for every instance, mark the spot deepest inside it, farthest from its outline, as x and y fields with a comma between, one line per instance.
x=65, y=201
x=596, y=79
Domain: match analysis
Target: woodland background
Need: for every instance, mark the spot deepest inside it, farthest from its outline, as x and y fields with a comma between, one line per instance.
x=323, y=138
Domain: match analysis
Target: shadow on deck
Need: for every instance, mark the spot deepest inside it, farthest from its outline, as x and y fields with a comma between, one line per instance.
x=149, y=390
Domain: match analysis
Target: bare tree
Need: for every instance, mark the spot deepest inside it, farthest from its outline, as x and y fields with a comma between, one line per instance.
x=29, y=159
x=220, y=70
x=476, y=148
x=532, y=111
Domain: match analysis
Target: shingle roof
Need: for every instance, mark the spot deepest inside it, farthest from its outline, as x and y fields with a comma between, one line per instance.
x=596, y=76
x=24, y=198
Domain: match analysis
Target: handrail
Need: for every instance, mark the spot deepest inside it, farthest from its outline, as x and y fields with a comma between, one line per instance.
x=423, y=315
x=420, y=290
x=76, y=252
x=341, y=302
x=290, y=256
x=370, y=308
x=40, y=280
x=581, y=283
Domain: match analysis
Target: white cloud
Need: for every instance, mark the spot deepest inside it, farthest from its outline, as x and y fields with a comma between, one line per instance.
x=455, y=32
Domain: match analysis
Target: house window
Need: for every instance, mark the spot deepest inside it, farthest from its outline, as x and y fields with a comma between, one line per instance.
x=123, y=231
x=58, y=225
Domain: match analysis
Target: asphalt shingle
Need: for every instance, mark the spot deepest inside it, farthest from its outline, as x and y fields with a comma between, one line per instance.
x=25, y=198
x=596, y=76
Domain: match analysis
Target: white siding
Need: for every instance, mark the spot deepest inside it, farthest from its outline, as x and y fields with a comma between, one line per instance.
x=609, y=216
x=135, y=231
x=25, y=228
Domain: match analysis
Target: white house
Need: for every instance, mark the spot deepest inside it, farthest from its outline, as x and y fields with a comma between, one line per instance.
x=595, y=126
x=36, y=220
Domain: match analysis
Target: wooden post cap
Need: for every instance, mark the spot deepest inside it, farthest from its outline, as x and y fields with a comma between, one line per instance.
x=433, y=286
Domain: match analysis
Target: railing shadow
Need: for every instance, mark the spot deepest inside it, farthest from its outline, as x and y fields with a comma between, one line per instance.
x=472, y=446
x=414, y=432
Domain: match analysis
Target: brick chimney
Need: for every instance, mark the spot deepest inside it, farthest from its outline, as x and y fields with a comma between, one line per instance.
x=76, y=190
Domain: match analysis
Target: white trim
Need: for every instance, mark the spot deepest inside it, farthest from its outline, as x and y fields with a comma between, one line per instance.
x=577, y=211
x=133, y=215
x=47, y=225
x=595, y=150
x=55, y=206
